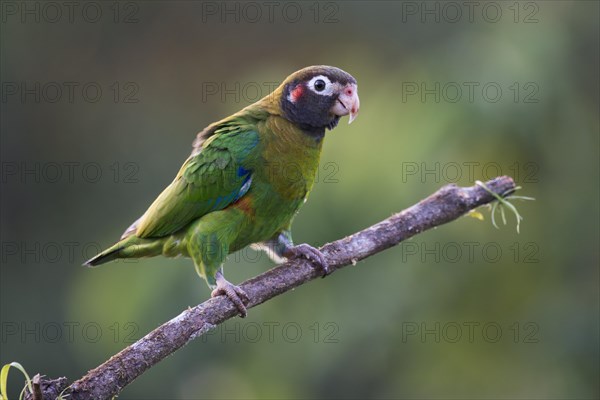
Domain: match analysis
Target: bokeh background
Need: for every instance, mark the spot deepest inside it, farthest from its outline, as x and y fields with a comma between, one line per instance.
x=449, y=94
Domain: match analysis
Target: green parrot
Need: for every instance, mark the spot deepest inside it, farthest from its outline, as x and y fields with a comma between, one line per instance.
x=244, y=182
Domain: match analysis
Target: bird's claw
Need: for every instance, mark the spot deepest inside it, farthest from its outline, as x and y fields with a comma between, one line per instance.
x=312, y=254
x=237, y=296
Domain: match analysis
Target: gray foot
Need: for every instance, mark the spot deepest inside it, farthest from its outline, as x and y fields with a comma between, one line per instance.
x=237, y=296
x=312, y=254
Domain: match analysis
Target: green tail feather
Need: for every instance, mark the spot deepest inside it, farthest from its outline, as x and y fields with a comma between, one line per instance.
x=130, y=247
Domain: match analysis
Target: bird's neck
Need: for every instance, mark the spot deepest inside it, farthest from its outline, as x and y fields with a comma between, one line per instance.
x=291, y=158
x=316, y=134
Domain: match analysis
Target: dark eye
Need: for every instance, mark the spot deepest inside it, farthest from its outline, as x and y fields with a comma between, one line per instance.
x=320, y=85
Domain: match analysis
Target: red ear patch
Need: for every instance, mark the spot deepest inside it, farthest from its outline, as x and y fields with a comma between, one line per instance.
x=297, y=92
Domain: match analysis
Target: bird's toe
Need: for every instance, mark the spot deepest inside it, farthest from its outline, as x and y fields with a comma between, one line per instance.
x=236, y=294
x=314, y=255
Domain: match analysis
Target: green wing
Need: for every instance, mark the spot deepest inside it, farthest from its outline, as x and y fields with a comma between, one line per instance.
x=208, y=181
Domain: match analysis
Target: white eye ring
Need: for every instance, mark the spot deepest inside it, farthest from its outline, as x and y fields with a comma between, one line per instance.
x=327, y=91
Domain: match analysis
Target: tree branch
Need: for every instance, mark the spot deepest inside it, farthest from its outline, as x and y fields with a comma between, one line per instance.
x=445, y=205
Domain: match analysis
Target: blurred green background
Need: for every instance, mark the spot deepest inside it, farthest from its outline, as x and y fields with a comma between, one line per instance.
x=449, y=94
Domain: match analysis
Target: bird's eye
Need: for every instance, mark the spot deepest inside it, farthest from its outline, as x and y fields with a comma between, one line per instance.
x=319, y=85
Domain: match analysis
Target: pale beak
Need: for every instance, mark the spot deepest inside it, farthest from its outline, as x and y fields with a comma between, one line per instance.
x=347, y=102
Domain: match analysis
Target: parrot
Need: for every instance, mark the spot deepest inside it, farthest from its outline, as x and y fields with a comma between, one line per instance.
x=235, y=189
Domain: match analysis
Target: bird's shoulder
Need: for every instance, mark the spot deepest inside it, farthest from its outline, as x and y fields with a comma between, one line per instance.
x=247, y=120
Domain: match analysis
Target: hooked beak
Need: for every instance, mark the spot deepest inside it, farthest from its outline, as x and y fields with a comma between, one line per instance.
x=347, y=102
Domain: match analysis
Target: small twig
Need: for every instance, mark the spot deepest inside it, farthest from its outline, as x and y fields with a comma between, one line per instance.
x=445, y=205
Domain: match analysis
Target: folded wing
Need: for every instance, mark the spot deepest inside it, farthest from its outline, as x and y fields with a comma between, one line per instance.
x=209, y=180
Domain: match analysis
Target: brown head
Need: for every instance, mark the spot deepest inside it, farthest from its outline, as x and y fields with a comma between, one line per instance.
x=314, y=98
